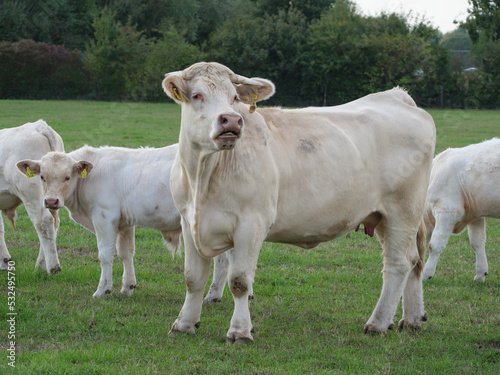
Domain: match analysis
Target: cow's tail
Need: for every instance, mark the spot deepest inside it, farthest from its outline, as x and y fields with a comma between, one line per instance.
x=172, y=240
x=422, y=248
x=55, y=215
x=54, y=139
x=10, y=214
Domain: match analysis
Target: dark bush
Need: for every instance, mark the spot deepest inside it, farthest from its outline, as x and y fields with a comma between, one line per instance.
x=31, y=70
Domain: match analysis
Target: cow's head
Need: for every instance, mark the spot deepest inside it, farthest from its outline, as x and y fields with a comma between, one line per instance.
x=59, y=174
x=211, y=96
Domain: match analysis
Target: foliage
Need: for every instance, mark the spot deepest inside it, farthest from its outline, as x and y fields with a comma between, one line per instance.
x=114, y=56
x=316, y=52
x=40, y=71
x=269, y=46
x=309, y=307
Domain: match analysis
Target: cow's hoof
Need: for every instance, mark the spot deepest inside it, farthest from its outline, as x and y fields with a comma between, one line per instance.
x=128, y=291
x=481, y=278
x=405, y=324
x=238, y=339
x=371, y=329
x=424, y=317
x=178, y=327
x=250, y=297
x=99, y=294
x=55, y=270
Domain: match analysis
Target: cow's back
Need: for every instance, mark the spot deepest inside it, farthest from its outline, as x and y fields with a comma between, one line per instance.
x=469, y=175
x=348, y=157
x=28, y=141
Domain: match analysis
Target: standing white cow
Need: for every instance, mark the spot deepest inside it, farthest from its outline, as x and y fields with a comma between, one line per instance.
x=464, y=189
x=109, y=191
x=31, y=140
x=243, y=176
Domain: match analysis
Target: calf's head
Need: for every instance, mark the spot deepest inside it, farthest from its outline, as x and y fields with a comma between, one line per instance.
x=59, y=174
x=211, y=96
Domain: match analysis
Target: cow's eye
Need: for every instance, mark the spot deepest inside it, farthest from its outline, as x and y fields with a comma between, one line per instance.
x=236, y=98
x=66, y=178
x=197, y=96
x=43, y=178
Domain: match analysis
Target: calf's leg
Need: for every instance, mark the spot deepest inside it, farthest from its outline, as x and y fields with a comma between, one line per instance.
x=106, y=234
x=477, y=238
x=445, y=222
x=5, y=257
x=221, y=266
x=125, y=246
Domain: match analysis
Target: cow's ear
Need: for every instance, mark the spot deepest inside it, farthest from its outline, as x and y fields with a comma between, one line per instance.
x=83, y=168
x=255, y=93
x=174, y=87
x=30, y=168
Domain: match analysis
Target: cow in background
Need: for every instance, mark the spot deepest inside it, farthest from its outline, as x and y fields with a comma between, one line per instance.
x=304, y=176
x=31, y=140
x=464, y=189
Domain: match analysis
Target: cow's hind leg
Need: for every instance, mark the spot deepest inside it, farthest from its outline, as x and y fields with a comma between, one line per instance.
x=413, y=298
x=400, y=256
x=221, y=266
x=196, y=271
x=126, y=248
x=477, y=238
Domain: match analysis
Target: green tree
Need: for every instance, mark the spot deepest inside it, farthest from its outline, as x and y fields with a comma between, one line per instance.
x=114, y=55
x=269, y=46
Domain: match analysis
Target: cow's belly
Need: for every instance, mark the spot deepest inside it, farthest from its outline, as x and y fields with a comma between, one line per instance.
x=7, y=200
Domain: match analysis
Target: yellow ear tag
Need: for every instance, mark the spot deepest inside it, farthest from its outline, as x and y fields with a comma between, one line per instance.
x=176, y=93
x=30, y=173
x=83, y=173
x=253, y=106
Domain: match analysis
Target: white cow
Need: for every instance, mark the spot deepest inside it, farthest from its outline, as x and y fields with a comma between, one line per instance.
x=31, y=140
x=109, y=191
x=464, y=189
x=243, y=176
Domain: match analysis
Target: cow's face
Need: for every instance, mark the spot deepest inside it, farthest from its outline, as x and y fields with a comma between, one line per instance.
x=211, y=96
x=59, y=174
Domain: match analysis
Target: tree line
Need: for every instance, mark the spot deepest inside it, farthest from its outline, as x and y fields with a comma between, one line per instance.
x=317, y=53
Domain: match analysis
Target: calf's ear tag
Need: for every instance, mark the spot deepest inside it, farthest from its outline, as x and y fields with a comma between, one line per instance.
x=176, y=93
x=83, y=174
x=30, y=173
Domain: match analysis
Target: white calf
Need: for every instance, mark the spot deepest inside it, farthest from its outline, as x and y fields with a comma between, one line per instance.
x=463, y=190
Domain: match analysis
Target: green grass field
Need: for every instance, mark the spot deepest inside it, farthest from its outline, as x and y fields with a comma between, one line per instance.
x=309, y=309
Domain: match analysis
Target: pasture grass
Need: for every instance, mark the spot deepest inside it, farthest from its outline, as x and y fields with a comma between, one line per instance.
x=309, y=309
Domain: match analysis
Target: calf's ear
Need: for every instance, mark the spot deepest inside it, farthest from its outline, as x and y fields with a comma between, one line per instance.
x=252, y=93
x=174, y=87
x=83, y=168
x=30, y=168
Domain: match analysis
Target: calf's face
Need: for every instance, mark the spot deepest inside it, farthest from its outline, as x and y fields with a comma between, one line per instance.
x=210, y=94
x=59, y=174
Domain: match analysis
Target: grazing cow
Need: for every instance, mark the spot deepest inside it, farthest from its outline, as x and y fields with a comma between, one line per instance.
x=31, y=140
x=243, y=176
x=464, y=189
x=109, y=191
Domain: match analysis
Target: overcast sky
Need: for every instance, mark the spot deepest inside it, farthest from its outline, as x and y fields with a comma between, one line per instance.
x=441, y=13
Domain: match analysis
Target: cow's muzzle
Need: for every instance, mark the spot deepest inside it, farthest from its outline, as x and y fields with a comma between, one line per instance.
x=52, y=203
x=230, y=126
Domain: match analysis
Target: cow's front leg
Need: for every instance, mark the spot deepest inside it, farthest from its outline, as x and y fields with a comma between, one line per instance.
x=242, y=268
x=196, y=271
x=106, y=234
x=477, y=238
x=126, y=247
